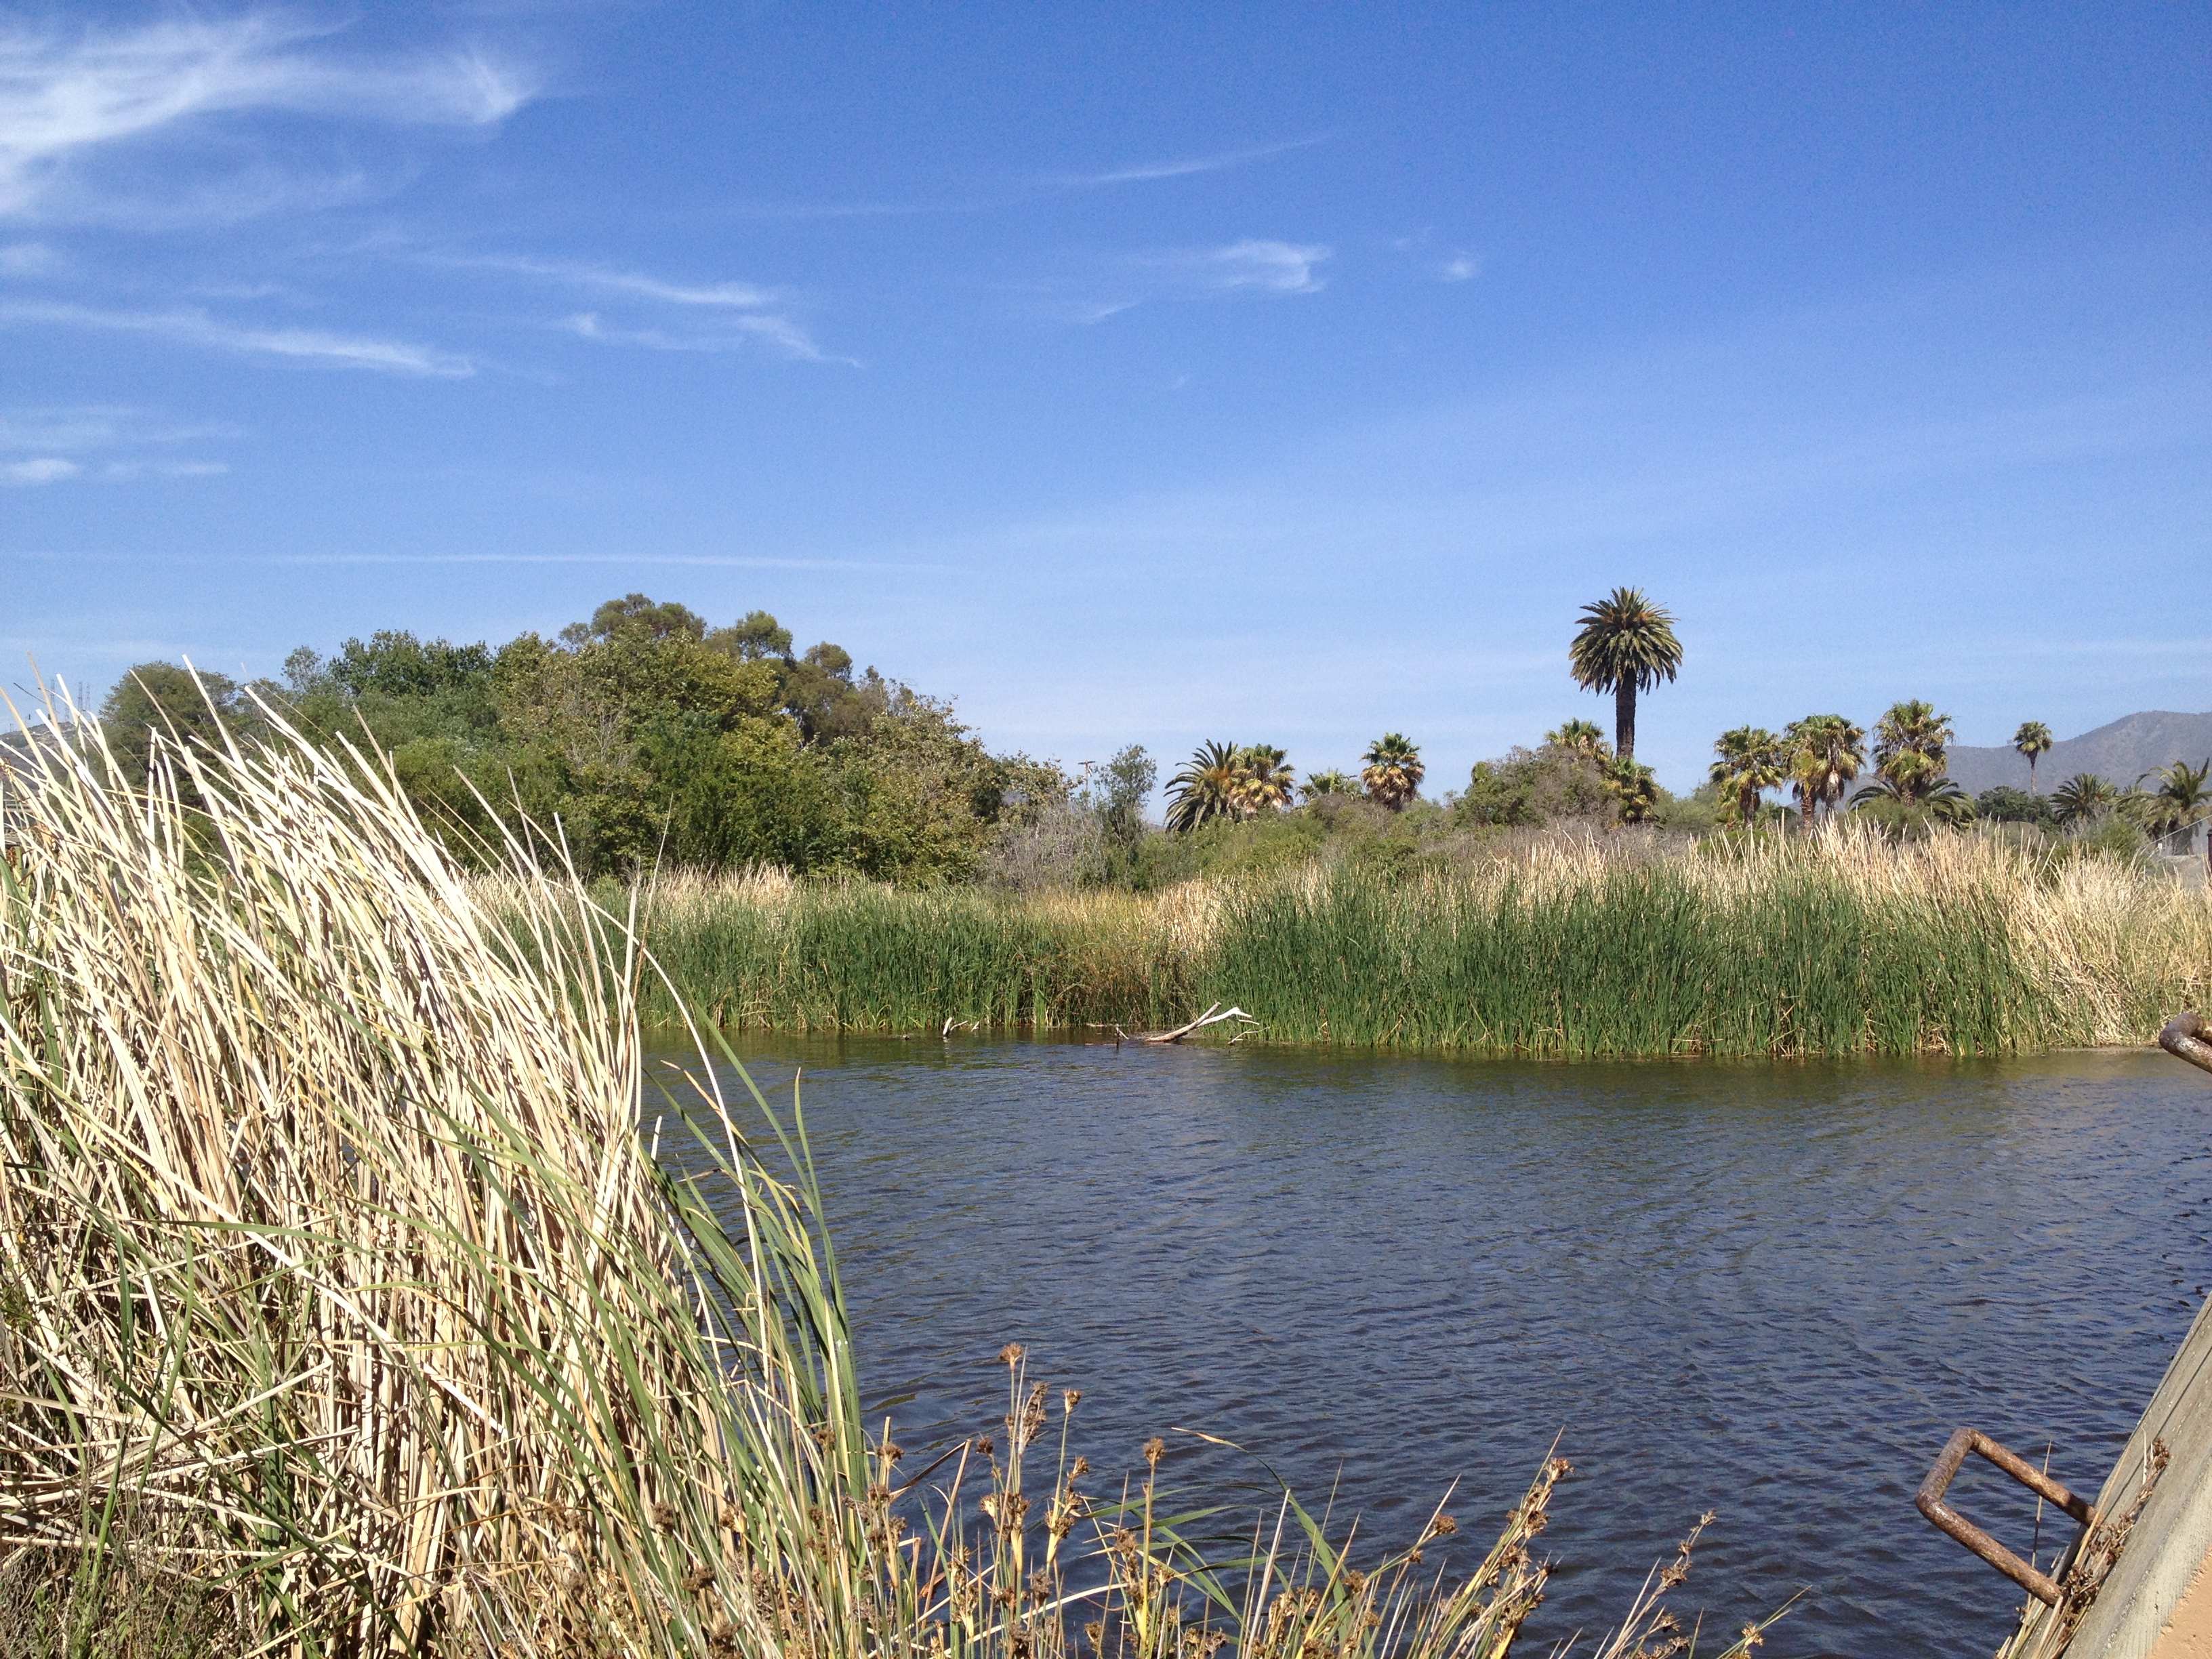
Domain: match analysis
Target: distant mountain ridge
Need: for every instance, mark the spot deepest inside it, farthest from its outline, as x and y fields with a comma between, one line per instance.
x=2121, y=751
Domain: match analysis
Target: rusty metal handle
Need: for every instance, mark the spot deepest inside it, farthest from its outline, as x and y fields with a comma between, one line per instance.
x=1947, y=1521
x=2184, y=1038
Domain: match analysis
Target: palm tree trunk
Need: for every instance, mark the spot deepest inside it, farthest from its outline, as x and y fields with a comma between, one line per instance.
x=2031, y=775
x=1624, y=720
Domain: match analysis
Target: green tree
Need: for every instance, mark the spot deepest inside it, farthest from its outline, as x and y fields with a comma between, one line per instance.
x=1118, y=797
x=2005, y=805
x=2033, y=739
x=1752, y=760
x=1910, y=743
x=1393, y=772
x=1584, y=737
x=202, y=708
x=2081, y=798
x=1825, y=753
x=1626, y=645
x=1330, y=781
x=1205, y=789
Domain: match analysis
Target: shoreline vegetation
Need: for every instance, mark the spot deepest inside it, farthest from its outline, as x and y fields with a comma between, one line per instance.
x=347, y=1307
x=816, y=848
x=1622, y=944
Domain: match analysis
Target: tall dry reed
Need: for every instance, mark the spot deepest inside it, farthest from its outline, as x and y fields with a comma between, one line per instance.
x=345, y=1303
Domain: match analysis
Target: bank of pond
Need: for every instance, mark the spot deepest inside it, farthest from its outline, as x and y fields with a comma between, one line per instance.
x=1839, y=944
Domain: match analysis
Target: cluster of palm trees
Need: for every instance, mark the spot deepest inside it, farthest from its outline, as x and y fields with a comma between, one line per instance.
x=1822, y=754
x=2183, y=795
x=1242, y=781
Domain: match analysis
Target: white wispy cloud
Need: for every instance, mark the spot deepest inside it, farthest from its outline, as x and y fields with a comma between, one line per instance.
x=1254, y=264
x=43, y=469
x=197, y=328
x=741, y=296
x=1460, y=266
x=1257, y=262
x=736, y=314
x=1143, y=172
x=68, y=92
x=92, y=427
x=729, y=334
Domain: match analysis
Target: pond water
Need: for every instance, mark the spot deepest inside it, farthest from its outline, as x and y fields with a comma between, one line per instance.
x=1771, y=1291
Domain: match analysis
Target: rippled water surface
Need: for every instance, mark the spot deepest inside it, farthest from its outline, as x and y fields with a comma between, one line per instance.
x=1770, y=1291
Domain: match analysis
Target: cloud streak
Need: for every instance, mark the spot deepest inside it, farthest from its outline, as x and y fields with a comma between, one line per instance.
x=1144, y=173
x=39, y=469
x=64, y=94
x=733, y=333
x=197, y=328
x=1252, y=264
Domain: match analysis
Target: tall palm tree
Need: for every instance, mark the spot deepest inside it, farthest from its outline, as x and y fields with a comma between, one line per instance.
x=2081, y=796
x=1582, y=736
x=1394, y=771
x=1823, y=753
x=1206, y=789
x=1626, y=644
x=2033, y=739
x=1751, y=761
x=1265, y=781
x=1909, y=745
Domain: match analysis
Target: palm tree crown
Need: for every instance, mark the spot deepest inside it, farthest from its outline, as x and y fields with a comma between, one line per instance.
x=1394, y=770
x=1751, y=761
x=1206, y=789
x=1823, y=753
x=2081, y=796
x=2033, y=739
x=2180, y=799
x=1328, y=782
x=1626, y=644
x=1265, y=781
x=1910, y=743
x=1582, y=736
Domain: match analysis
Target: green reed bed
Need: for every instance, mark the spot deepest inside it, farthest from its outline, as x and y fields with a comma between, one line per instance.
x=1840, y=943
x=1638, y=961
x=861, y=957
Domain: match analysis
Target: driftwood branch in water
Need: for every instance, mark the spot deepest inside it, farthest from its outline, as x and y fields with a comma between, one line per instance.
x=1209, y=1017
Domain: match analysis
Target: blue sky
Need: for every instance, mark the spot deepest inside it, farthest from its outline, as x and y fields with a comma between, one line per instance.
x=1132, y=373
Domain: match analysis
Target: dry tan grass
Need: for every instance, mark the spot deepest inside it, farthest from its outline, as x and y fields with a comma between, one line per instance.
x=345, y=1310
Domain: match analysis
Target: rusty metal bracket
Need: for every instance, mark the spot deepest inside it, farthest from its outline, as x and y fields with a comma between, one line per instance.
x=1947, y=1521
x=2184, y=1038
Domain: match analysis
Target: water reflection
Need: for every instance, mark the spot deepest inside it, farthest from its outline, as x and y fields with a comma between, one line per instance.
x=1772, y=1290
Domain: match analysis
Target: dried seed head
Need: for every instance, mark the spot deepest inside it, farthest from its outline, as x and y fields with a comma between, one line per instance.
x=700, y=1576
x=1080, y=1468
x=1442, y=1526
x=1155, y=1450
x=985, y=1445
x=725, y=1517
x=1070, y=1399
x=892, y=1454
x=1010, y=1354
x=663, y=1517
